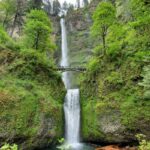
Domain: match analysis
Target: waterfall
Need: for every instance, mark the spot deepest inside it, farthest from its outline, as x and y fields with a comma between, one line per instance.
x=72, y=104
x=64, y=50
x=72, y=116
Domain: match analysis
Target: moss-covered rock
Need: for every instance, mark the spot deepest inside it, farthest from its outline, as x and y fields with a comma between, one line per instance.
x=79, y=42
x=112, y=103
x=31, y=98
x=113, y=109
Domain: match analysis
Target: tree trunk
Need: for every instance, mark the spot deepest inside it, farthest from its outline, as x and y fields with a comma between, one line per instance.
x=104, y=33
x=36, y=44
x=5, y=19
x=14, y=24
x=104, y=44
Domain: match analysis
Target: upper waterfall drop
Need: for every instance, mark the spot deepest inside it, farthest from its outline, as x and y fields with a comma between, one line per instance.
x=64, y=53
x=64, y=46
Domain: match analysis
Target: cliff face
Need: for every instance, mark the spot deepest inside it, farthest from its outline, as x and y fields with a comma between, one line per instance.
x=31, y=99
x=107, y=112
x=80, y=45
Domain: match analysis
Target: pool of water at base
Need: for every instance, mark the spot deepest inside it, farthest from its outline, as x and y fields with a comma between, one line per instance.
x=72, y=147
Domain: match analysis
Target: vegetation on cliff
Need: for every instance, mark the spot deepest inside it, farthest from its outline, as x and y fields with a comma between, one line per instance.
x=115, y=90
x=31, y=92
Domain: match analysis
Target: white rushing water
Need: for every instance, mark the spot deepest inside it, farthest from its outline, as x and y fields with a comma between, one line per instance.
x=72, y=116
x=64, y=54
x=72, y=104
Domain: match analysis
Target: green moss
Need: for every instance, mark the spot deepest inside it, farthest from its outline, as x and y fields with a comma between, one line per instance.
x=114, y=89
x=90, y=121
x=31, y=97
x=30, y=100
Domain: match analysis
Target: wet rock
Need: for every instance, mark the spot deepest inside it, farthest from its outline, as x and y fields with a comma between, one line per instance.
x=114, y=147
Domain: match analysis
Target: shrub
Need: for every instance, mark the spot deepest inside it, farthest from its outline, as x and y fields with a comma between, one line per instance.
x=93, y=65
x=143, y=143
x=146, y=82
x=31, y=64
x=114, y=78
x=9, y=147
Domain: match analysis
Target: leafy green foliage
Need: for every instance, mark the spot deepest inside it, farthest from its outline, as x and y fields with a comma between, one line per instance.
x=30, y=99
x=146, y=82
x=5, y=40
x=31, y=92
x=140, y=8
x=37, y=31
x=7, y=10
x=140, y=11
x=120, y=80
x=144, y=144
x=114, y=78
x=116, y=40
x=61, y=141
x=31, y=64
x=104, y=17
x=4, y=37
x=93, y=65
x=9, y=147
x=64, y=147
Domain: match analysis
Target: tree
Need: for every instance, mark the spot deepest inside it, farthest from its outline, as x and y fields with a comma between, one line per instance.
x=48, y=7
x=21, y=8
x=70, y=8
x=7, y=10
x=140, y=12
x=140, y=7
x=35, y=4
x=56, y=7
x=78, y=3
x=103, y=17
x=85, y=2
x=116, y=40
x=141, y=24
x=37, y=30
x=65, y=6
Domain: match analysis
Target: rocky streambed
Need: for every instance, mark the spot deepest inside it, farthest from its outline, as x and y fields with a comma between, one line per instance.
x=115, y=147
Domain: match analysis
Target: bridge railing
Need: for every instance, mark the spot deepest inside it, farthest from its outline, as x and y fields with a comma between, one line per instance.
x=64, y=68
